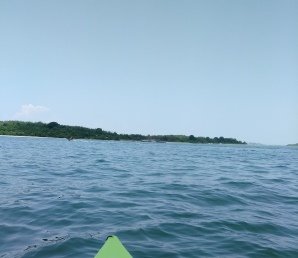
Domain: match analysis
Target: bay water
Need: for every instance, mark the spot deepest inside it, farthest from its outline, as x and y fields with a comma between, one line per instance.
x=62, y=198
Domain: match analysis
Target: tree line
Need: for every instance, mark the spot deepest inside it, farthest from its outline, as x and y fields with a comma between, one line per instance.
x=54, y=129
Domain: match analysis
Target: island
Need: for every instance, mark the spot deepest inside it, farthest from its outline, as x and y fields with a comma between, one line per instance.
x=293, y=145
x=54, y=129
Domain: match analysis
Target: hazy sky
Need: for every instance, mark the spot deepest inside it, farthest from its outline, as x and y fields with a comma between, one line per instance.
x=210, y=68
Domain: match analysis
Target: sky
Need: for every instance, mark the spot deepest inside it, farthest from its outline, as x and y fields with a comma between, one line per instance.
x=208, y=68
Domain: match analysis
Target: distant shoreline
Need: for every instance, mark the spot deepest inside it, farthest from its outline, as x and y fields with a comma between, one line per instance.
x=55, y=130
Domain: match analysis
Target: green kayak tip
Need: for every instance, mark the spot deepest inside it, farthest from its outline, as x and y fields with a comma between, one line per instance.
x=113, y=248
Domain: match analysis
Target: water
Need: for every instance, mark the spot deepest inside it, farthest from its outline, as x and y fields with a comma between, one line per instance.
x=62, y=199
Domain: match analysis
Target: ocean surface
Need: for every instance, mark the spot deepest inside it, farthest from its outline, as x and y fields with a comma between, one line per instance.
x=62, y=198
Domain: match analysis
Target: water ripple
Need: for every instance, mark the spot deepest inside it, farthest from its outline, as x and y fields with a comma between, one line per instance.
x=62, y=198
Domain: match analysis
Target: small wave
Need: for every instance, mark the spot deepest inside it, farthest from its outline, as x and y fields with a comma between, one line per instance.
x=239, y=184
x=101, y=161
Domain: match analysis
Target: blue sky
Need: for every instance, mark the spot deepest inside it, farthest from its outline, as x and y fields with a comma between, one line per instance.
x=210, y=68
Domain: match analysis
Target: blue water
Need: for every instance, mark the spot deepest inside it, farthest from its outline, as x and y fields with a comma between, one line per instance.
x=62, y=198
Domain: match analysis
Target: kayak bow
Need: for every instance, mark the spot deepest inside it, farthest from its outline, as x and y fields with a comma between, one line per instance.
x=113, y=248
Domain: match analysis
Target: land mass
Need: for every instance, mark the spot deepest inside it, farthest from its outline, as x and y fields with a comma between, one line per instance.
x=295, y=144
x=53, y=129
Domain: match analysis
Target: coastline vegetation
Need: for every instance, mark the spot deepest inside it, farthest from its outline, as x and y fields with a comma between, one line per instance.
x=53, y=129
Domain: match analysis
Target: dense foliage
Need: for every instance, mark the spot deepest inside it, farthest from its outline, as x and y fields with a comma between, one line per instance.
x=54, y=129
